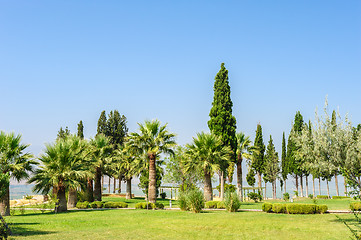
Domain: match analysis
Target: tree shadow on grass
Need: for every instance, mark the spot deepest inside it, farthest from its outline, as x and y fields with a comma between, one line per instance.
x=20, y=229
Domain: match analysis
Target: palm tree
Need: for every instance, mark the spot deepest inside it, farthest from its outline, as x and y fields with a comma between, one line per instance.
x=13, y=162
x=244, y=150
x=152, y=140
x=207, y=153
x=64, y=166
x=101, y=150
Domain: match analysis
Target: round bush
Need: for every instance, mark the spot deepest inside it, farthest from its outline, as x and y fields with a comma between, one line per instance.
x=82, y=205
x=355, y=206
x=96, y=204
x=267, y=207
x=321, y=208
x=232, y=201
x=298, y=208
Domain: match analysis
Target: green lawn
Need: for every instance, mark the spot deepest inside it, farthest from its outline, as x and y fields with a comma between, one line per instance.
x=161, y=224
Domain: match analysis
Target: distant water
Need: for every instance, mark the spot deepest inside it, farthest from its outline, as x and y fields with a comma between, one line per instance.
x=20, y=190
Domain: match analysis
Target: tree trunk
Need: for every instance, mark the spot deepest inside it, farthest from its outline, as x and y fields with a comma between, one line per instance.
x=129, y=189
x=114, y=184
x=102, y=185
x=265, y=190
x=336, y=183
x=120, y=185
x=313, y=186
x=61, y=206
x=285, y=185
x=259, y=182
x=5, y=203
x=306, y=185
x=319, y=186
x=152, y=191
x=97, y=184
x=109, y=184
x=296, y=177
x=301, y=185
x=344, y=182
x=208, y=193
x=273, y=190
x=89, y=190
x=222, y=185
x=239, y=176
x=72, y=198
x=328, y=189
x=219, y=181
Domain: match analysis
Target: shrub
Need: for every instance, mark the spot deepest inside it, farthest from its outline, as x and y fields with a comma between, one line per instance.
x=286, y=196
x=267, y=207
x=220, y=205
x=82, y=205
x=355, y=206
x=279, y=207
x=96, y=204
x=195, y=200
x=115, y=205
x=232, y=201
x=255, y=196
x=144, y=205
x=211, y=204
x=4, y=231
x=299, y=208
x=182, y=201
x=321, y=208
x=322, y=196
x=296, y=193
x=227, y=188
x=340, y=197
x=163, y=195
x=310, y=196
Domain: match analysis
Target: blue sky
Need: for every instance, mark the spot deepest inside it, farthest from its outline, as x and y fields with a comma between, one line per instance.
x=66, y=61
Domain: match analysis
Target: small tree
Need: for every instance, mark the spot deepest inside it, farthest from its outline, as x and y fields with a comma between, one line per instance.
x=272, y=168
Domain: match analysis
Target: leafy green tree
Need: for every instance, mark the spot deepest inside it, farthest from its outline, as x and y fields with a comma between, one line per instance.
x=272, y=168
x=81, y=130
x=102, y=124
x=13, y=162
x=116, y=128
x=245, y=150
x=258, y=162
x=152, y=140
x=64, y=166
x=222, y=123
x=207, y=153
x=251, y=180
x=284, y=163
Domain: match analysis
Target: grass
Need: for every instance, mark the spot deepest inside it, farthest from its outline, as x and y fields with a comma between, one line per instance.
x=133, y=201
x=161, y=224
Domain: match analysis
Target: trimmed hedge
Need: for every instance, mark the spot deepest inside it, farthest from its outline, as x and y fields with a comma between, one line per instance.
x=295, y=208
x=298, y=208
x=220, y=205
x=322, y=196
x=355, y=206
x=211, y=204
x=279, y=208
x=340, y=197
x=267, y=207
x=82, y=205
x=143, y=205
x=96, y=204
x=115, y=205
x=321, y=208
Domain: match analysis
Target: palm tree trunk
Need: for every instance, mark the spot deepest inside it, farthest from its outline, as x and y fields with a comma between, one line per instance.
x=120, y=184
x=109, y=184
x=114, y=184
x=72, y=198
x=222, y=185
x=319, y=186
x=152, y=192
x=336, y=183
x=306, y=185
x=239, y=176
x=328, y=189
x=301, y=185
x=102, y=185
x=129, y=189
x=313, y=186
x=265, y=190
x=97, y=184
x=89, y=190
x=208, y=193
x=61, y=205
x=344, y=183
x=5, y=203
x=296, y=177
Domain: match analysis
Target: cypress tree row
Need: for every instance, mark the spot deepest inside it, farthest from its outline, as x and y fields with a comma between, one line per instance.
x=222, y=123
x=81, y=130
x=284, y=163
x=102, y=124
x=258, y=163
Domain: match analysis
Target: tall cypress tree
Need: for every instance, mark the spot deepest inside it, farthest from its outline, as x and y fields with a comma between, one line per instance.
x=258, y=163
x=81, y=129
x=284, y=160
x=102, y=124
x=116, y=128
x=222, y=123
x=272, y=167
